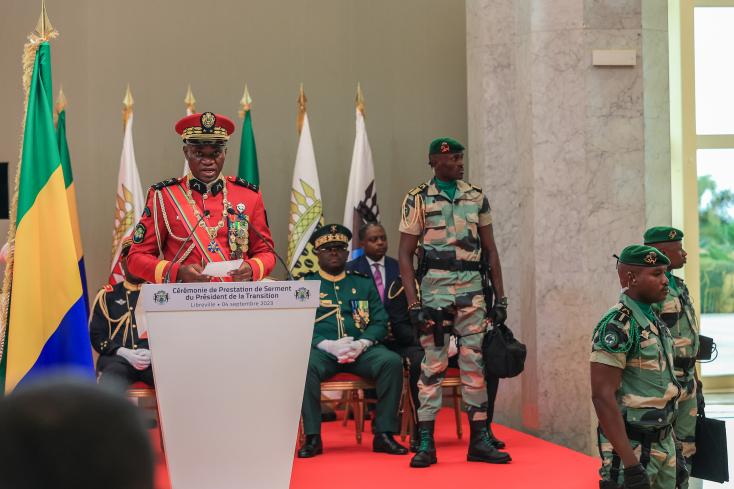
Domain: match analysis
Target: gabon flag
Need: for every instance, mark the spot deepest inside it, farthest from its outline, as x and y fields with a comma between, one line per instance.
x=44, y=316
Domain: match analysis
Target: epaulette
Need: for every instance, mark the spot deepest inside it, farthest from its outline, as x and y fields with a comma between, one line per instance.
x=478, y=189
x=244, y=183
x=165, y=183
x=358, y=274
x=420, y=188
x=108, y=288
x=623, y=315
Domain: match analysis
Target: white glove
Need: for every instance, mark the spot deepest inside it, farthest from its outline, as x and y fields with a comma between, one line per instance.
x=139, y=362
x=356, y=349
x=453, y=348
x=145, y=353
x=336, y=347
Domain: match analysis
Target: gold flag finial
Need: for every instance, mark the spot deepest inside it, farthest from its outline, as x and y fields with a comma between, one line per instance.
x=127, y=106
x=359, y=101
x=245, y=103
x=44, y=29
x=301, y=108
x=190, y=101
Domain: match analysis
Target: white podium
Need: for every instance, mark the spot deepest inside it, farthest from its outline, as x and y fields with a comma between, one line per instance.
x=229, y=362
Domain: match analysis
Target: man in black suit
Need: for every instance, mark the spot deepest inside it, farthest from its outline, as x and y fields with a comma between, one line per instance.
x=385, y=272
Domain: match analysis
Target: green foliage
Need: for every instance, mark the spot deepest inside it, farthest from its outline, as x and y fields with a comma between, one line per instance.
x=717, y=247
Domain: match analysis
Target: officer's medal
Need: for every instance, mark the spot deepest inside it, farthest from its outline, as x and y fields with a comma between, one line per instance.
x=238, y=233
x=360, y=313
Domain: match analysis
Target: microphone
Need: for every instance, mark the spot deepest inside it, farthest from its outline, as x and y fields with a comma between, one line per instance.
x=167, y=278
x=282, y=262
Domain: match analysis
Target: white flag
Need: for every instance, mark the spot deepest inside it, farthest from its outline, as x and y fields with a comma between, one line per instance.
x=306, y=211
x=361, y=204
x=130, y=200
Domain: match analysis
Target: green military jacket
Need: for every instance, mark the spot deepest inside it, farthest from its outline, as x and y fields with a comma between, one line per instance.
x=677, y=312
x=447, y=229
x=627, y=339
x=349, y=305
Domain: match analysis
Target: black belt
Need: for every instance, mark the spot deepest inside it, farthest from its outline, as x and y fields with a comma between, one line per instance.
x=684, y=363
x=646, y=437
x=452, y=265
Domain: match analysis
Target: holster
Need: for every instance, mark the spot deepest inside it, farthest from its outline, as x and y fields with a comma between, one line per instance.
x=443, y=322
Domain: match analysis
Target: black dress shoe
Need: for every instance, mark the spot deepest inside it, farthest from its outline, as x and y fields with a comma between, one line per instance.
x=384, y=443
x=311, y=447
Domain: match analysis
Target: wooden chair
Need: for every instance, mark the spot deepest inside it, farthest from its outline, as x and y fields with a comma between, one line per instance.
x=452, y=381
x=352, y=388
x=144, y=398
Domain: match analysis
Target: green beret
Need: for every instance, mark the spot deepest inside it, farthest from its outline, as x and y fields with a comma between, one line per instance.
x=330, y=233
x=662, y=234
x=642, y=256
x=445, y=146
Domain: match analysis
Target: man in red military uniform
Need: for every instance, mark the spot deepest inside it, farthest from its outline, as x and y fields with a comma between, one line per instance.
x=224, y=213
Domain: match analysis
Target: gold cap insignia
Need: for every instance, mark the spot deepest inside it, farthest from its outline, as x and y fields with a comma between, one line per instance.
x=445, y=147
x=208, y=120
x=672, y=234
x=651, y=258
x=333, y=229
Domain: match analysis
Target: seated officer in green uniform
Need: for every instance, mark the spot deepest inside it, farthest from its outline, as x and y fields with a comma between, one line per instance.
x=350, y=321
x=678, y=313
x=633, y=386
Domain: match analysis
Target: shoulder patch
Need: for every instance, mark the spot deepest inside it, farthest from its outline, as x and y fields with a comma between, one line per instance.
x=610, y=333
x=165, y=183
x=357, y=274
x=420, y=188
x=139, y=233
x=244, y=183
x=107, y=288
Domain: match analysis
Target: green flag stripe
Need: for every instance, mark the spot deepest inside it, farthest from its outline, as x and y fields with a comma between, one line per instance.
x=248, y=153
x=64, y=149
x=40, y=157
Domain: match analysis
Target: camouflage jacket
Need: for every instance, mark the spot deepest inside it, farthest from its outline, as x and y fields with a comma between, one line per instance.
x=447, y=230
x=677, y=312
x=626, y=339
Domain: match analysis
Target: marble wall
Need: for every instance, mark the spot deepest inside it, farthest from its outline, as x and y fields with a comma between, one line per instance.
x=575, y=161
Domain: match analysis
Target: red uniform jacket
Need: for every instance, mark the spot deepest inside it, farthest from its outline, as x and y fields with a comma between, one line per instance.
x=169, y=217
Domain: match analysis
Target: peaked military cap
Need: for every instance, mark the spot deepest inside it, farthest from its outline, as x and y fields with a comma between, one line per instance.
x=662, y=234
x=330, y=233
x=643, y=256
x=205, y=128
x=445, y=145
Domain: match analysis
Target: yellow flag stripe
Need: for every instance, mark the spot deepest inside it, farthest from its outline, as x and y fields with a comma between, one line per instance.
x=71, y=199
x=43, y=289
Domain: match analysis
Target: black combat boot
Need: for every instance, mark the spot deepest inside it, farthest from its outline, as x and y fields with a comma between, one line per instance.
x=481, y=448
x=415, y=439
x=496, y=442
x=426, y=455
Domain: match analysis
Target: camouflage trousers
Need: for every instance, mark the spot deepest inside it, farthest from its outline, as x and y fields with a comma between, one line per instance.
x=685, y=420
x=469, y=324
x=660, y=469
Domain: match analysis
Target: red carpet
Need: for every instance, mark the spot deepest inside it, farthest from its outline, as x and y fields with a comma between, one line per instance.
x=535, y=463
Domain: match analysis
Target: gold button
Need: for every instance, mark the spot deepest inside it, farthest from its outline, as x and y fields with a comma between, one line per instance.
x=340, y=302
x=336, y=287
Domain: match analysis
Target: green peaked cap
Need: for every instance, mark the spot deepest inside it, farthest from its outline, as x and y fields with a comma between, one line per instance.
x=643, y=256
x=662, y=234
x=330, y=233
x=444, y=146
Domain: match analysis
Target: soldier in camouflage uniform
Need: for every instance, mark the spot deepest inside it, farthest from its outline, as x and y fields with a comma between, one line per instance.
x=677, y=312
x=451, y=220
x=634, y=388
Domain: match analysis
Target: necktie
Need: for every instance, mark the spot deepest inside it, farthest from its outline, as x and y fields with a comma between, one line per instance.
x=378, y=281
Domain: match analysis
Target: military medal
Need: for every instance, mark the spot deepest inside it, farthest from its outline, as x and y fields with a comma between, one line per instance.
x=238, y=232
x=360, y=313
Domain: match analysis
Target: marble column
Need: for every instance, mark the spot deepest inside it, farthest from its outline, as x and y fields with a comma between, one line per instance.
x=575, y=161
